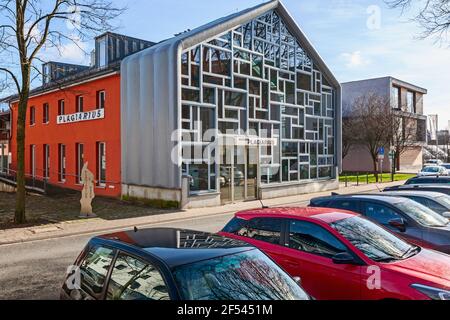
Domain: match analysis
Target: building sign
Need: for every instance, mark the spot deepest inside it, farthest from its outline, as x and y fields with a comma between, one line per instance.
x=81, y=116
x=255, y=141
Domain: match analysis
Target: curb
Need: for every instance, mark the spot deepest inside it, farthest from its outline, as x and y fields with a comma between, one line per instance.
x=161, y=221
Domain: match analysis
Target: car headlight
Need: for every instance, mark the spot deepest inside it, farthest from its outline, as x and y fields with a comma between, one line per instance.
x=433, y=293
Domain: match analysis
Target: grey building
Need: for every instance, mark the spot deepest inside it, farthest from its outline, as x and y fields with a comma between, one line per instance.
x=241, y=108
x=407, y=101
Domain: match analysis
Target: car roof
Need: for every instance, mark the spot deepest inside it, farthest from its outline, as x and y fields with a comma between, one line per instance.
x=436, y=177
x=177, y=247
x=423, y=194
x=327, y=215
x=422, y=186
x=390, y=199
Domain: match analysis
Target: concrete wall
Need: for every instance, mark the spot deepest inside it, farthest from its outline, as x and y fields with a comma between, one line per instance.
x=359, y=160
x=353, y=90
x=286, y=190
x=151, y=193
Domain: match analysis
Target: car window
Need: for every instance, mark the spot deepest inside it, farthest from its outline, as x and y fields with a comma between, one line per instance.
x=94, y=268
x=380, y=213
x=311, y=238
x=132, y=279
x=264, y=229
x=350, y=205
x=431, y=204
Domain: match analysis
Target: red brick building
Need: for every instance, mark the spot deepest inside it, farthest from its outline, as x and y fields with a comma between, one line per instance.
x=74, y=117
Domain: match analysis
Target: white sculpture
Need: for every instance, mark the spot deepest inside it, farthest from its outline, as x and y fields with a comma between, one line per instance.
x=87, y=194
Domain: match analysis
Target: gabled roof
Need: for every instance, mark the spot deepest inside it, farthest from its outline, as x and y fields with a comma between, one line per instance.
x=212, y=29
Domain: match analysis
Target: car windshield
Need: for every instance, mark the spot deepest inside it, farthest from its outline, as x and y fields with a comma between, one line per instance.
x=375, y=242
x=444, y=200
x=421, y=214
x=431, y=169
x=248, y=275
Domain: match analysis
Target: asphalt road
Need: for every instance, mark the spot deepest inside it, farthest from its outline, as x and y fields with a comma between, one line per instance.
x=36, y=270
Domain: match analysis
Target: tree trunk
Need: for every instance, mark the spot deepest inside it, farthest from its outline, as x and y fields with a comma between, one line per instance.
x=375, y=169
x=20, y=216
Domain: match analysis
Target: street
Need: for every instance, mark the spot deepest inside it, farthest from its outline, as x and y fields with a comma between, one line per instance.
x=36, y=270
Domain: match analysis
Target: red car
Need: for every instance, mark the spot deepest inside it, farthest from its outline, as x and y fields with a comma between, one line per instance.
x=340, y=255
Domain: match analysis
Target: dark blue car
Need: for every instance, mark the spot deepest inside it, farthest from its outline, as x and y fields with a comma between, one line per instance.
x=407, y=218
x=174, y=264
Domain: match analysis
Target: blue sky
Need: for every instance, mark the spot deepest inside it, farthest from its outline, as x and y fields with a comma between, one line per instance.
x=347, y=33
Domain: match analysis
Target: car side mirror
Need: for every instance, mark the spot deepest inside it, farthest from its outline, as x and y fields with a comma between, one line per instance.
x=399, y=224
x=344, y=258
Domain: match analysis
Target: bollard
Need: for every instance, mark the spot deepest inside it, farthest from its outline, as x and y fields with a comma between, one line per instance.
x=367, y=177
x=357, y=179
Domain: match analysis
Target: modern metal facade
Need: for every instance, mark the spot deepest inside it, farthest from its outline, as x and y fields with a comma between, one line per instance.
x=251, y=79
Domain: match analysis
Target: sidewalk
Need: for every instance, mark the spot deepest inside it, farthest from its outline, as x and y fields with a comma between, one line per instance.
x=79, y=227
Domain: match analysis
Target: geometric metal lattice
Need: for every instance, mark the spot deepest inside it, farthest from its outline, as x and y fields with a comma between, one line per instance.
x=257, y=78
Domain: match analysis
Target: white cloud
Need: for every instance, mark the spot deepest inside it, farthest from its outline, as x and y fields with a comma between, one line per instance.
x=354, y=59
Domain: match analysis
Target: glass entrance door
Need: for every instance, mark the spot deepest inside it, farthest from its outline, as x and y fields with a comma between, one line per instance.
x=238, y=175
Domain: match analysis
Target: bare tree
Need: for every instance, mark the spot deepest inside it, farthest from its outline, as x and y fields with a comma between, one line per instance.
x=406, y=133
x=372, y=124
x=349, y=131
x=433, y=16
x=29, y=27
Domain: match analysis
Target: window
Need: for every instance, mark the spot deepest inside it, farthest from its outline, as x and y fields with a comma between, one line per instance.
x=396, y=98
x=101, y=164
x=346, y=205
x=132, y=279
x=61, y=107
x=80, y=160
x=33, y=160
x=46, y=159
x=102, y=52
x=101, y=97
x=380, y=213
x=255, y=274
x=411, y=101
x=310, y=238
x=45, y=113
x=62, y=163
x=265, y=229
x=32, y=116
x=94, y=269
x=433, y=205
x=80, y=104
x=374, y=241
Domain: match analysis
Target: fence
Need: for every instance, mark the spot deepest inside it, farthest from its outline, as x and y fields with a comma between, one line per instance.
x=364, y=178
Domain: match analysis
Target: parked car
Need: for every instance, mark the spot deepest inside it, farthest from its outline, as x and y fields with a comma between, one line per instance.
x=407, y=218
x=174, y=264
x=432, y=171
x=447, y=167
x=429, y=180
x=441, y=188
x=433, y=162
x=435, y=201
x=335, y=252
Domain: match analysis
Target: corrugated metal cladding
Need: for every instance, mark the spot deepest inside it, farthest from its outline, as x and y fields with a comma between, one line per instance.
x=150, y=99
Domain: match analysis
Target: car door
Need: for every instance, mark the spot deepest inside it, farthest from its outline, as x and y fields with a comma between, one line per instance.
x=263, y=233
x=383, y=214
x=133, y=278
x=308, y=253
x=87, y=280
